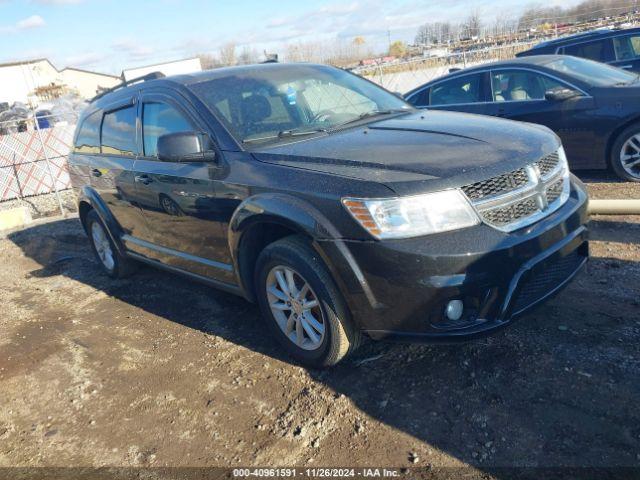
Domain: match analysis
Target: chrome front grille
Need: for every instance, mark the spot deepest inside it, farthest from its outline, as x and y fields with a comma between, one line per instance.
x=548, y=164
x=503, y=216
x=554, y=190
x=497, y=185
x=521, y=197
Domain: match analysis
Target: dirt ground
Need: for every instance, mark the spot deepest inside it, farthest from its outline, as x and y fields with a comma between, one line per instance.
x=158, y=371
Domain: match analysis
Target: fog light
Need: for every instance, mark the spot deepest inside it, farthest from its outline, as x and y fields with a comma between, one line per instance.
x=454, y=310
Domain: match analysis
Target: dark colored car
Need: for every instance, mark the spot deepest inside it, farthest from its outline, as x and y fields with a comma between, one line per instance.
x=331, y=202
x=620, y=48
x=594, y=108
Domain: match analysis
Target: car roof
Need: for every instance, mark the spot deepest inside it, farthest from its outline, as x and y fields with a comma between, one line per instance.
x=185, y=80
x=604, y=32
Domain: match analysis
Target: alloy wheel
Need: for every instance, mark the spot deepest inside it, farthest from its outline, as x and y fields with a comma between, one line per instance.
x=295, y=307
x=102, y=245
x=630, y=156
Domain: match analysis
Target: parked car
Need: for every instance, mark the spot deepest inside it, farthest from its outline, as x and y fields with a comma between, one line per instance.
x=594, y=108
x=332, y=203
x=620, y=48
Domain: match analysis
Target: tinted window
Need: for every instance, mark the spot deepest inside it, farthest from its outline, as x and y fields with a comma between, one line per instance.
x=627, y=48
x=600, y=50
x=159, y=119
x=467, y=89
x=592, y=73
x=119, y=132
x=88, y=140
x=518, y=85
x=421, y=98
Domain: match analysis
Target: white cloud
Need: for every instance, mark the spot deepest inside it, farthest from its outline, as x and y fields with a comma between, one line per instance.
x=85, y=59
x=34, y=21
x=133, y=48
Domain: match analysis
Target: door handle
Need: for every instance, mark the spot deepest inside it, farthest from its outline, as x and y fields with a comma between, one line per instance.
x=627, y=67
x=96, y=173
x=501, y=112
x=144, y=179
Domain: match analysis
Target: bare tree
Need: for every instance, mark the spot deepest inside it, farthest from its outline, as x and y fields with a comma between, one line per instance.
x=438, y=32
x=248, y=56
x=423, y=36
x=208, y=61
x=304, y=52
x=473, y=25
x=228, y=54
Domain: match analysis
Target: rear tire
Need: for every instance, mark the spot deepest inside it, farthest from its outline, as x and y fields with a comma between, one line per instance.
x=289, y=277
x=625, y=152
x=112, y=262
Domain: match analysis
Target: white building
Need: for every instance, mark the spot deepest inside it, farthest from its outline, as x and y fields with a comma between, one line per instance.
x=88, y=83
x=28, y=81
x=188, y=65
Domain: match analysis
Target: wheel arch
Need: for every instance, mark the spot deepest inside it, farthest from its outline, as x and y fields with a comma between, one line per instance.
x=265, y=218
x=89, y=199
x=613, y=136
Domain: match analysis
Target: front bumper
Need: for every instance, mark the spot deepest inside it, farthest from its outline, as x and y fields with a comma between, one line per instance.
x=401, y=288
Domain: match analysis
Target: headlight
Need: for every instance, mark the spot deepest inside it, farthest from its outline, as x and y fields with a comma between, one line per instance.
x=413, y=216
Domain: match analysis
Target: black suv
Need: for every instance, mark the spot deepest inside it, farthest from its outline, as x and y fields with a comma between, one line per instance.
x=331, y=202
x=620, y=48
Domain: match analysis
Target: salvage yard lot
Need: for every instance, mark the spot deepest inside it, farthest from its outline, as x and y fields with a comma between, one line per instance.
x=158, y=371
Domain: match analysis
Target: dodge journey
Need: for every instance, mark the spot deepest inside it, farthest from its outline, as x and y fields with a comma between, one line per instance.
x=333, y=204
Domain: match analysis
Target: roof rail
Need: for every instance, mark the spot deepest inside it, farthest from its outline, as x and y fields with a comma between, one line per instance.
x=144, y=78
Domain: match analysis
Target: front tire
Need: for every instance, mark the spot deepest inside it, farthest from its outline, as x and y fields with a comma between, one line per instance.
x=112, y=262
x=301, y=304
x=625, y=154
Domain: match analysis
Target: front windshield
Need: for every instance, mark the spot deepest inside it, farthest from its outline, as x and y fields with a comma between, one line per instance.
x=593, y=73
x=268, y=102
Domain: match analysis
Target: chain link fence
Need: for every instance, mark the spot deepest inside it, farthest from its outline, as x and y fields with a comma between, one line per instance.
x=33, y=157
x=405, y=76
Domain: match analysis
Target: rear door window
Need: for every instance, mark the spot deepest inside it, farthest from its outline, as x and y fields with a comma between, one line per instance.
x=599, y=50
x=119, y=132
x=627, y=47
x=159, y=119
x=88, y=139
x=466, y=89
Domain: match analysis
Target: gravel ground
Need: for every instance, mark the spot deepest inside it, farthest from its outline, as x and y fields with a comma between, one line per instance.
x=158, y=371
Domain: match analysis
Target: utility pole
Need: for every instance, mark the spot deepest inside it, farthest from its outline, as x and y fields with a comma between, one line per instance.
x=389, y=38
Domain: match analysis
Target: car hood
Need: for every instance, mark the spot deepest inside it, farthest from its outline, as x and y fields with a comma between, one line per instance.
x=420, y=151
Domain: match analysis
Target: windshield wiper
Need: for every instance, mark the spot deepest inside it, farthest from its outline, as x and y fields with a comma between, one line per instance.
x=284, y=134
x=371, y=113
x=294, y=132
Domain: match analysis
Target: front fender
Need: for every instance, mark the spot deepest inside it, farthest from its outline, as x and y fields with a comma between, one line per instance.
x=89, y=195
x=283, y=209
x=299, y=216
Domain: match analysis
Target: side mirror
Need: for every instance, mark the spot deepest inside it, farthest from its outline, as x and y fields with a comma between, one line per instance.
x=186, y=147
x=560, y=94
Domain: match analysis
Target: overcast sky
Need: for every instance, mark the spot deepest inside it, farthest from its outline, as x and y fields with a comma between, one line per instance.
x=108, y=35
